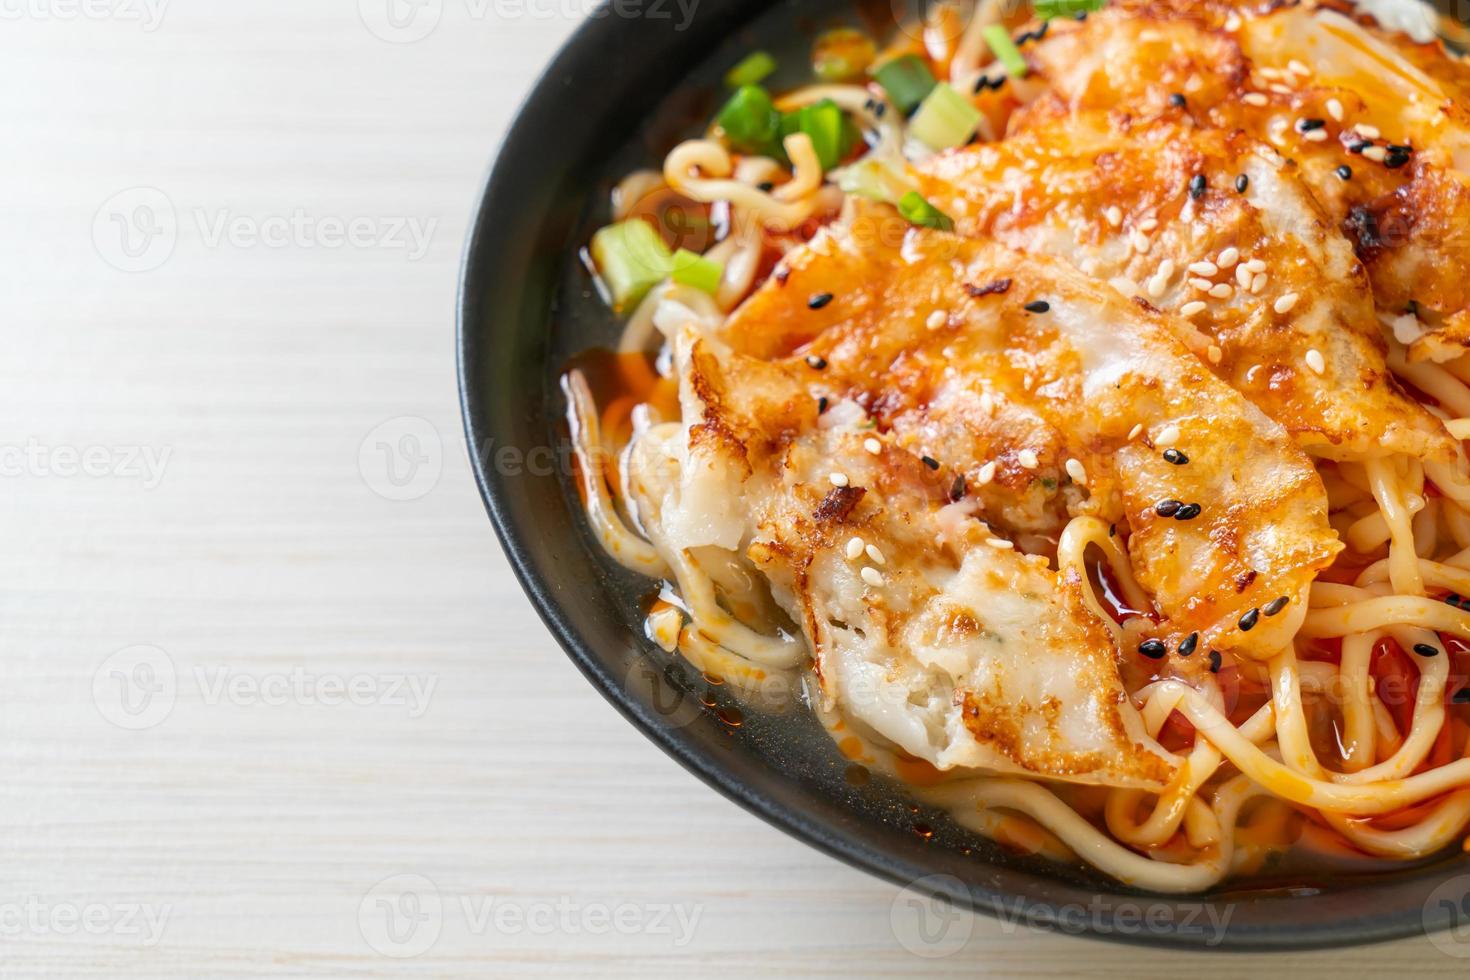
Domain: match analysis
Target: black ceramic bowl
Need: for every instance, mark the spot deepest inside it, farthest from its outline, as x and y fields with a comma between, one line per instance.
x=617, y=97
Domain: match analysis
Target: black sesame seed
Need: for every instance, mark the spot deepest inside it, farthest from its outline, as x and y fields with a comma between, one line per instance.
x=1168, y=508
x=1249, y=620
x=1188, y=512
x=880, y=109
x=1426, y=649
x=821, y=404
x=816, y=363
x=1187, y=645
x=765, y=186
x=1358, y=148
x=1081, y=16
x=957, y=488
x=1395, y=160
x=1215, y=661
x=1399, y=148
x=1307, y=125
x=1197, y=185
x=1153, y=649
x=930, y=462
x=1345, y=172
x=1241, y=183
x=1039, y=306
x=818, y=301
x=1112, y=530
x=1462, y=696
x=1275, y=605
x=1178, y=101
x=1175, y=456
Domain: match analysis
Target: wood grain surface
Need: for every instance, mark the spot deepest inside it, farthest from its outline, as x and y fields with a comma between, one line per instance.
x=270, y=702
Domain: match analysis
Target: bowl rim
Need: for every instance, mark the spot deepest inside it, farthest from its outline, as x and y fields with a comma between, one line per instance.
x=495, y=196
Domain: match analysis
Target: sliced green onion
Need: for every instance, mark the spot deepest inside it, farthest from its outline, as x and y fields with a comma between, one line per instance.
x=920, y=212
x=1047, y=9
x=906, y=79
x=751, y=122
x=831, y=132
x=692, y=269
x=945, y=119
x=1005, y=50
x=875, y=180
x=842, y=54
x=752, y=70
x=631, y=258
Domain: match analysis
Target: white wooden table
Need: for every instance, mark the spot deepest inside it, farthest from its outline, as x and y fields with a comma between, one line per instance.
x=230, y=234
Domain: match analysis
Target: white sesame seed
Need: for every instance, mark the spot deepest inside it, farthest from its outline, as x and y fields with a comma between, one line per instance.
x=875, y=555
x=1285, y=303
x=1375, y=153
x=937, y=319
x=838, y=479
x=1228, y=258
x=987, y=403
x=1215, y=354
x=1190, y=309
x=1243, y=276
x=987, y=473
x=1204, y=268
x=1315, y=136
x=1137, y=429
x=1254, y=98
x=855, y=547
x=1315, y=361
x=872, y=576
x=1334, y=109
x=1268, y=72
x=1222, y=290
x=1368, y=132
x=1158, y=286
x=1258, y=283
x=1203, y=285
x=1114, y=215
x=1141, y=243
x=1148, y=224
x=873, y=446
x=1280, y=89
x=1233, y=22
x=1027, y=458
x=1168, y=436
x=1256, y=265
x=1297, y=68
x=1076, y=471
x=1166, y=269
x=1000, y=544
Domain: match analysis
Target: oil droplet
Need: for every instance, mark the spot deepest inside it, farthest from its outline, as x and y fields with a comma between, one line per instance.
x=730, y=716
x=857, y=775
x=711, y=679
x=924, y=831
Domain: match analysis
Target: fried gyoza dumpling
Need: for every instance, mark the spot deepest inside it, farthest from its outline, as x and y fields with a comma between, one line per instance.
x=1051, y=395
